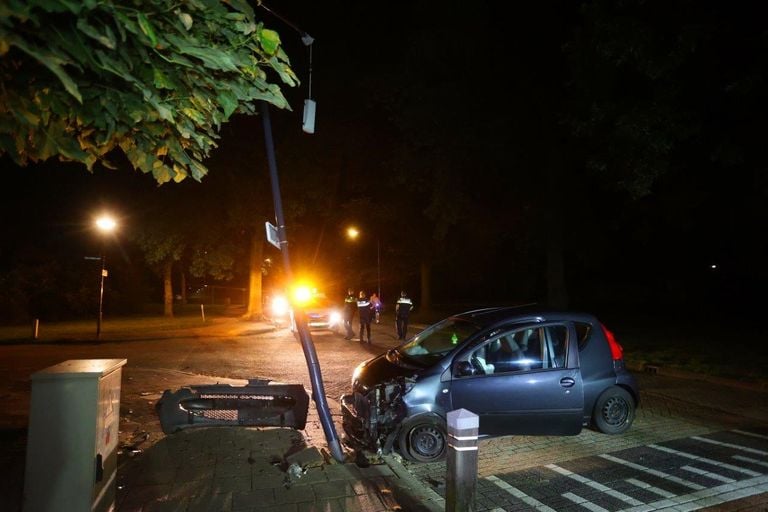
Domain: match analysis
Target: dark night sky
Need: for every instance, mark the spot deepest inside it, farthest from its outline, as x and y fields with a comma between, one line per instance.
x=499, y=120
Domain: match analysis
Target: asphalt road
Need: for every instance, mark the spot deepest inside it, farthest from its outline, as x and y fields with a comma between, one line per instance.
x=516, y=473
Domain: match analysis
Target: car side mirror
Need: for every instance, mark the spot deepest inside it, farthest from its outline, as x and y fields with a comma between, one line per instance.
x=464, y=368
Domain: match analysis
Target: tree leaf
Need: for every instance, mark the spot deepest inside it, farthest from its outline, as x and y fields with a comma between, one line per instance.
x=269, y=40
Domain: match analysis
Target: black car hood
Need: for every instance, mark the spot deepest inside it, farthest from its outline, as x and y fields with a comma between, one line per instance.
x=386, y=367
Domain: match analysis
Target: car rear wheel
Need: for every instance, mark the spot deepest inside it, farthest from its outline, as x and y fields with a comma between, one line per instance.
x=614, y=411
x=423, y=441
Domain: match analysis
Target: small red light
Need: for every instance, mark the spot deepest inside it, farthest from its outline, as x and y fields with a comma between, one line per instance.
x=616, y=350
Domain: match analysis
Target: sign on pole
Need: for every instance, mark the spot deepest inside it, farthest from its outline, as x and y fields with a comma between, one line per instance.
x=272, y=235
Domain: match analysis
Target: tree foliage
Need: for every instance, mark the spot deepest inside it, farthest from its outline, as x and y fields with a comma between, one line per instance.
x=154, y=79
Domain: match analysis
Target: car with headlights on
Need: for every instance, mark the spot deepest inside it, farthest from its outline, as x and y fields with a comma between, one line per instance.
x=522, y=370
x=321, y=314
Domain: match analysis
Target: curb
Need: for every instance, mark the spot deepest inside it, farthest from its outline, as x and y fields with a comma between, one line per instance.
x=412, y=493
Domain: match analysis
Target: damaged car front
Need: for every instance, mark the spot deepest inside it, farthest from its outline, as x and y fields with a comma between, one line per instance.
x=398, y=399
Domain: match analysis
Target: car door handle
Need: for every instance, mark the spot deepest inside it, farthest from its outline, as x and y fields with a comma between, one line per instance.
x=567, y=382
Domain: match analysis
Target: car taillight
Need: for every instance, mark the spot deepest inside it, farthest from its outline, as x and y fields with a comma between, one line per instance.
x=616, y=350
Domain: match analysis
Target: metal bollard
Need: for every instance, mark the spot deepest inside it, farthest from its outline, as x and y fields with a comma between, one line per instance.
x=36, y=329
x=461, y=480
x=202, y=311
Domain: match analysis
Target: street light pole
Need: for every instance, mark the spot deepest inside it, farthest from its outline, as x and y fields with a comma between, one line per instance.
x=105, y=224
x=378, y=267
x=101, y=294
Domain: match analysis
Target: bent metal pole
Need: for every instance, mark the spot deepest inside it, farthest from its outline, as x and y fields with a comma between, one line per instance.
x=307, y=345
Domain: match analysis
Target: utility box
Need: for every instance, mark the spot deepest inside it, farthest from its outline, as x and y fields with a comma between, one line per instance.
x=73, y=435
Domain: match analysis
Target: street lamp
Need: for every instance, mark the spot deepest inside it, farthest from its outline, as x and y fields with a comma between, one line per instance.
x=105, y=224
x=353, y=233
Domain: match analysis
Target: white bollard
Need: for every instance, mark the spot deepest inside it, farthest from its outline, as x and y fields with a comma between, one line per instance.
x=461, y=480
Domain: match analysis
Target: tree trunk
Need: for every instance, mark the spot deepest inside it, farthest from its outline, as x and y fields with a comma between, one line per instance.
x=168, y=288
x=254, y=310
x=426, y=283
x=183, y=287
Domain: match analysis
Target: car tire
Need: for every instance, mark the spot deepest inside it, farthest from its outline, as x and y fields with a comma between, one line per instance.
x=614, y=411
x=425, y=440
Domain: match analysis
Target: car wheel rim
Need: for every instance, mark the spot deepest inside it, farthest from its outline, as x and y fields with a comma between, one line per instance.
x=427, y=441
x=615, y=411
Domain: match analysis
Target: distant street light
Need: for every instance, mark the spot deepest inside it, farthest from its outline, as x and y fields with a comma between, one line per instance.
x=353, y=233
x=105, y=224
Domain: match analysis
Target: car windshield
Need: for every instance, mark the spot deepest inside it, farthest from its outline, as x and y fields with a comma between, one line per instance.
x=434, y=342
x=318, y=303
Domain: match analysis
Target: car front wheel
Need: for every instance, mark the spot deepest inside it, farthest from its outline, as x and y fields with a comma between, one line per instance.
x=423, y=441
x=614, y=411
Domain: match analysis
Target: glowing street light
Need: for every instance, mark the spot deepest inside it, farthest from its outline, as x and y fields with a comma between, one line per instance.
x=353, y=233
x=105, y=224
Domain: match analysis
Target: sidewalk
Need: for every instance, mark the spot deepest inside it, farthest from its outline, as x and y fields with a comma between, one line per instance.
x=234, y=469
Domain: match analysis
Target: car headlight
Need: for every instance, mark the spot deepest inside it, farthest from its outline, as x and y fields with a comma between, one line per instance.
x=279, y=306
x=356, y=375
x=335, y=317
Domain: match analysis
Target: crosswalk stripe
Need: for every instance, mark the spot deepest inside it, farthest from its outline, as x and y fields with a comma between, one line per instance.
x=707, y=497
x=750, y=460
x=751, y=434
x=731, y=445
x=653, y=472
x=595, y=485
x=648, y=487
x=708, y=474
x=517, y=493
x=706, y=460
x=584, y=503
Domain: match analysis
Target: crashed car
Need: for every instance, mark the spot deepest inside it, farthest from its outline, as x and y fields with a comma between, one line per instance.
x=523, y=371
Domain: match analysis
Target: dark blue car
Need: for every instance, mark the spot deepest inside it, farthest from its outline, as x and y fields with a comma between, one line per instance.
x=523, y=371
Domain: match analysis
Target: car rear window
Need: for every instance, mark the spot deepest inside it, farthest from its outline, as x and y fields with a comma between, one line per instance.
x=583, y=333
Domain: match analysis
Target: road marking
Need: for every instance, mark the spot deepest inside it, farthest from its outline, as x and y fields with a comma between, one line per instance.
x=751, y=434
x=706, y=460
x=730, y=445
x=595, y=485
x=517, y=493
x=707, y=497
x=584, y=503
x=750, y=460
x=650, y=488
x=654, y=472
x=708, y=474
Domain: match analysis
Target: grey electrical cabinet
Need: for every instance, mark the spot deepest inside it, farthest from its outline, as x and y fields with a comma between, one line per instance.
x=74, y=416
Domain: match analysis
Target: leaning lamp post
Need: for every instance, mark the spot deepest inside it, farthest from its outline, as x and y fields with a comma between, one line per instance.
x=105, y=224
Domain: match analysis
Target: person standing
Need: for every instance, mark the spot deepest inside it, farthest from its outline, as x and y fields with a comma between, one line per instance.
x=402, y=311
x=350, y=306
x=365, y=309
x=376, y=305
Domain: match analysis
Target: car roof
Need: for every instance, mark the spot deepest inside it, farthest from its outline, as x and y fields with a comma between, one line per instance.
x=526, y=313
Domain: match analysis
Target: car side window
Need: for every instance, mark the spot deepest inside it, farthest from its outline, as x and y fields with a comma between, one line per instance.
x=514, y=351
x=557, y=343
x=583, y=332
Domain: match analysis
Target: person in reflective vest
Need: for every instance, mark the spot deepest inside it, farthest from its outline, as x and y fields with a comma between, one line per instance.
x=365, y=310
x=350, y=307
x=402, y=311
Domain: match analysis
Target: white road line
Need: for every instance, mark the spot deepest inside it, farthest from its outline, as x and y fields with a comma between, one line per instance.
x=654, y=472
x=730, y=445
x=706, y=460
x=751, y=434
x=584, y=503
x=650, y=488
x=707, y=497
x=595, y=485
x=708, y=474
x=750, y=460
x=517, y=493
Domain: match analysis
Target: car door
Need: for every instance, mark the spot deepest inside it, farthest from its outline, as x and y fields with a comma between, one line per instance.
x=522, y=381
